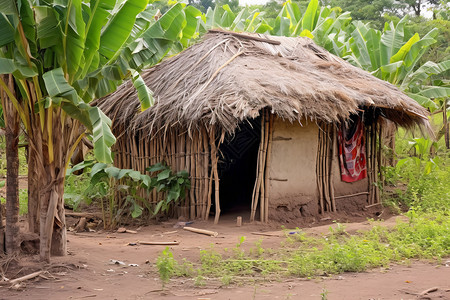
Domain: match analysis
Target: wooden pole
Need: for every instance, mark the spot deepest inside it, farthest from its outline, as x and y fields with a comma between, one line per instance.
x=368, y=163
x=216, y=175
x=262, y=205
x=325, y=170
x=198, y=175
x=258, y=171
x=205, y=180
x=380, y=159
x=333, y=156
x=319, y=169
x=268, y=161
x=192, y=173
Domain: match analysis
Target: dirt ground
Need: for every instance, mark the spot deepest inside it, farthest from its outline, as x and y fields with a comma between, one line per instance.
x=86, y=272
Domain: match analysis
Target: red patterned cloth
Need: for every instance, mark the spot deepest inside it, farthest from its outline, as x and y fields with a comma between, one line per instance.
x=352, y=151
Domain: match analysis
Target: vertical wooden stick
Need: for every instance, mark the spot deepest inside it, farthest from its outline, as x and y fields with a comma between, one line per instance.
x=368, y=162
x=319, y=169
x=333, y=156
x=205, y=180
x=192, y=173
x=198, y=175
x=260, y=169
x=268, y=161
x=380, y=159
x=216, y=174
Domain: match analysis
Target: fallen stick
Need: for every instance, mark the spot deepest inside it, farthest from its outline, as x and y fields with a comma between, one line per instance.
x=267, y=234
x=372, y=205
x=23, y=278
x=123, y=230
x=159, y=243
x=170, y=232
x=86, y=215
x=430, y=290
x=201, y=231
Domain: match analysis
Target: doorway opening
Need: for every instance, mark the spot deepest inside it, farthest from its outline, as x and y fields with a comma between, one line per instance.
x=238, y=156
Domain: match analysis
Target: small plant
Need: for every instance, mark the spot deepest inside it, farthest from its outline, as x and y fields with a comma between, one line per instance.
x=166, y=266
x=226, y=279
x=199, y=281
x=175, y=185
x=324, y=294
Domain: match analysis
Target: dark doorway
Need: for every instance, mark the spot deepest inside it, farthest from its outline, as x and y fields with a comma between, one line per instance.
x=237, y=167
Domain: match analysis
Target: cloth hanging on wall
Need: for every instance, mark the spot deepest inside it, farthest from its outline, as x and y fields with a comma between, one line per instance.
x=352, y=150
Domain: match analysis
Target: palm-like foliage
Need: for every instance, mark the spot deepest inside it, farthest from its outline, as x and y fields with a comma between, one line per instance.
x=63, y=54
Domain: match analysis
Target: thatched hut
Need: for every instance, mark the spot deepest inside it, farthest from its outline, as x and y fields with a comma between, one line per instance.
x=261, y=121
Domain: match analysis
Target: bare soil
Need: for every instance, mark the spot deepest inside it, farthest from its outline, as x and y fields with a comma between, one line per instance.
x=86, y=272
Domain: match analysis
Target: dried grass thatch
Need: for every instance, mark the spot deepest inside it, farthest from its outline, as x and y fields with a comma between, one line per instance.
x=230, y=77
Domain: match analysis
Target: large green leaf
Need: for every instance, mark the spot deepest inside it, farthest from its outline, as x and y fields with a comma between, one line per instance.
x=103, y=138
x=310, y=16
x=403, y=51
x=359, y=46
x=227, y=16
x=6, y=31
x=145, y=95
x=78, y=112
x=97, y=19
x=192, y=19
x=57, y=85
x=422, y=73
x=117, y=30
x=49, y=32
x=424, y=101
x=74, y=38
x=436, y=92
x=7, y=66
x=158, y=39
x=392, y=40
x=20, y=71
x=8, y=7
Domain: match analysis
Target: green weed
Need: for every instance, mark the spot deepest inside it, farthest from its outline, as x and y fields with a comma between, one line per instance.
x=425, y=236
x=166, y=266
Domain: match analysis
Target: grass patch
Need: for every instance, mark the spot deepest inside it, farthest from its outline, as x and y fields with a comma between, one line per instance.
x=425, y=236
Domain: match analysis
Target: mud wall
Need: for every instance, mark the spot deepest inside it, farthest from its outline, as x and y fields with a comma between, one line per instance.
x=292, y=175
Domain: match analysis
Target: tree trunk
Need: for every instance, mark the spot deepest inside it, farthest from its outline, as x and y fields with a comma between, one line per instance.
x=12, y=174
x=33, y=192
x=2, y=231
x=52, y=225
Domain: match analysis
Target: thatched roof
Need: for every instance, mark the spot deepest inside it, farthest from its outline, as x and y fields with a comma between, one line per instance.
x=230, y=77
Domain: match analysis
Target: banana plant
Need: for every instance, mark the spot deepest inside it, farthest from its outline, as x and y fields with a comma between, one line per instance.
x=319, y=23
x=245, y=20
x=64, y=54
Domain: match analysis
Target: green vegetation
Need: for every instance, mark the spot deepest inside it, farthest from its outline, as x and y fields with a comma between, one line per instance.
x=121, y=192
x=425, y=236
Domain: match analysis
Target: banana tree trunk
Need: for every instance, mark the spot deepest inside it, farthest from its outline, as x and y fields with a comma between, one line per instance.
x=12, y=174
x=52, y=225
x=2, y=231
x=33, y=192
